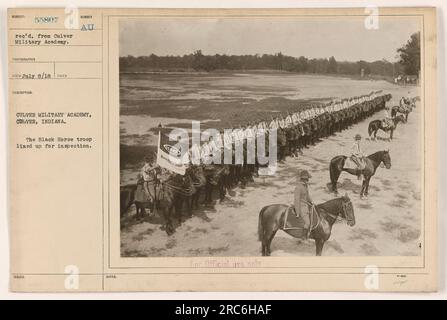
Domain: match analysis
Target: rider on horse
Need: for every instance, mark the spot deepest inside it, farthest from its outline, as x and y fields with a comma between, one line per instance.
x=303, y=202
x=357, y=155
x=153, y=173
x=387, y=120
x=146, y=172
x=405, y=102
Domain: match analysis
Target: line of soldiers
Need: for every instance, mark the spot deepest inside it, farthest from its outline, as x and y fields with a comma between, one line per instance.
x=294, y=132
x=333, y=115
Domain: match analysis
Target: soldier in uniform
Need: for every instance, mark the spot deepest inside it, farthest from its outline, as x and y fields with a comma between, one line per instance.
x=387, y=120
x=357, y=155
x=146, y=173
x=303, y=202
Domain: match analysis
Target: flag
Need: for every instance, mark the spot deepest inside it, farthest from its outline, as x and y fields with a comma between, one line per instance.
x=170, y=157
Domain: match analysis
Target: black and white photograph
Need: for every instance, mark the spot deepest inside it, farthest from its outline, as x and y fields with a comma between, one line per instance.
x=280, y=136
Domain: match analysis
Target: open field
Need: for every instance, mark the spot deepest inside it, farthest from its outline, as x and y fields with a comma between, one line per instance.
x=388, y=223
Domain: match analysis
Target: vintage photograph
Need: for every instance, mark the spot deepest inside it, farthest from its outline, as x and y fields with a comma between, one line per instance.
x=271, y=136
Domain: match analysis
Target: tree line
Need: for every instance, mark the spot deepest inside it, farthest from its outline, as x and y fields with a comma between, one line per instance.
x=409, y=63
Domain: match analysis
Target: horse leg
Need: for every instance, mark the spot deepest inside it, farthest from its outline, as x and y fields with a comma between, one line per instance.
x=197, y=197
x=188, y=200
x=221, y=191
x=269, y=242
x=208, y=192
x=167, y=223
x=319, y=243
x=179, y=207
x=334, y=180
x=367, y=186
x=363, y=188
x=137, y=215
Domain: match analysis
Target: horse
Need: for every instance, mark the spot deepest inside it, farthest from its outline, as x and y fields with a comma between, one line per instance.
x=375, y=125
x=372, y=162
x=405, y=110
x=134, y=194
x=127, y=197
x=216, y=175
x=271, y=219
x=166, y=195
x=141, y=199
x=199, y=181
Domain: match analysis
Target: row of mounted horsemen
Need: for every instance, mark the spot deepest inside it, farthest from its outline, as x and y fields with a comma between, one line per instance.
x=169, y=192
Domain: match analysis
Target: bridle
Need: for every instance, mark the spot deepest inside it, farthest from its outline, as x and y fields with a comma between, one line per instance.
x=345, y=206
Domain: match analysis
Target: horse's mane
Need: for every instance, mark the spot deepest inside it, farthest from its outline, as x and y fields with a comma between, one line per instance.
x=375, y=155
x=330, y=203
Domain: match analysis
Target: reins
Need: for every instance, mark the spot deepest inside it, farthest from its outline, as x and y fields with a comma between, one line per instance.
x=177, y=189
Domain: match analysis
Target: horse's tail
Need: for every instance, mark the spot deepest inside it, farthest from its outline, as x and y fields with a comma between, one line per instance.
x=334, y=172
x=127, y=197
x=260, y=224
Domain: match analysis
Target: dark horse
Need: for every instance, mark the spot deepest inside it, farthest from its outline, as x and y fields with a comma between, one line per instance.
x=135, y=194
x=375, y=125
x=166, y=195
x=127, y=197
x=372, y=162
x=405, y=110
x=271, y=219
x=142, y=200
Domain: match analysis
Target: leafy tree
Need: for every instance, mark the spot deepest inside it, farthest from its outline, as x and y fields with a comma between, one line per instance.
x=410, y=55
x=332, y=65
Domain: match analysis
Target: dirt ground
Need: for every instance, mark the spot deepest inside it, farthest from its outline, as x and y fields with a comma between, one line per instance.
x=388, y=223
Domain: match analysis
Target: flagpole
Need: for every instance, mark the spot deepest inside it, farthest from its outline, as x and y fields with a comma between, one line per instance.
x=158, y=145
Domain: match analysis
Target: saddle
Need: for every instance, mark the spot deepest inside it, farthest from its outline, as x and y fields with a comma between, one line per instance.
x=351, y=164
x=294, y=225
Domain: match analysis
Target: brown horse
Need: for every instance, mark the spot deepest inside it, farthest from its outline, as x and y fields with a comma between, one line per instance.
x=142, y=200
x=166, y=194
x=376, y=125
x=135, y=194
x=216, y=176
x=404, y=110
x=336, y=167
x=271, y=219
x=127, y=197
x=199, y=182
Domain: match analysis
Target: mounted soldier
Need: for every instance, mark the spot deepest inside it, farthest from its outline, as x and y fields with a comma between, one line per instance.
x=357, y=155
x=147, y=173
x=303, y=202
x=142, y=199
x=387, y=121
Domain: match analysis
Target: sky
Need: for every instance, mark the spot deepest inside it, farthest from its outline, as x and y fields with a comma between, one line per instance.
x=346, y=40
